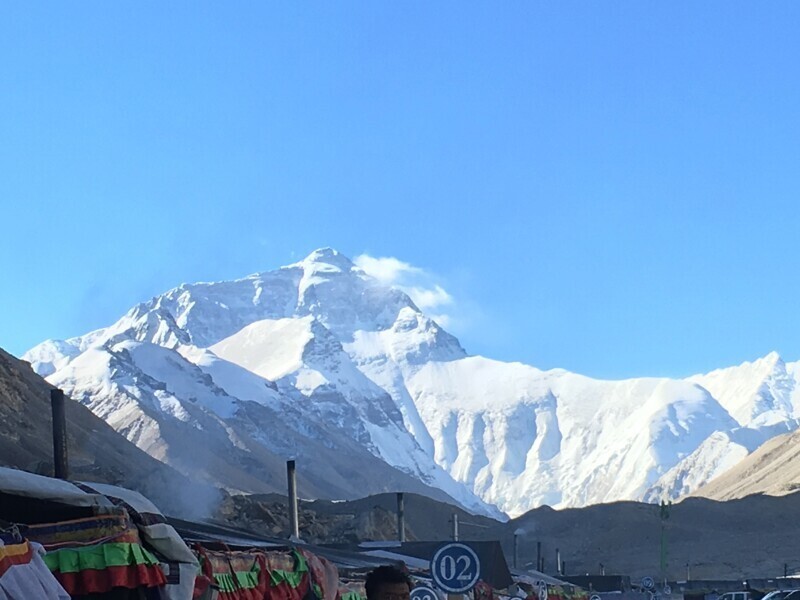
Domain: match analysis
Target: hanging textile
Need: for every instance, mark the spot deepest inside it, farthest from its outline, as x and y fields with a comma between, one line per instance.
x=257, y=575
x=289, y=577
x=177, y=560
x=98, y=554
x=352, y=589
x=231, y=575
x=24, y=575
x=324, y=576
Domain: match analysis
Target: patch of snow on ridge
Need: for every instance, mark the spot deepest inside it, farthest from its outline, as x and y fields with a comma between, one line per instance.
x=714, y=456
x=269, y=348
x=237, y=382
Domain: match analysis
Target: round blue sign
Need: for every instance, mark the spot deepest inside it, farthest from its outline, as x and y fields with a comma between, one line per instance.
x=455, y=568
x=423, y=592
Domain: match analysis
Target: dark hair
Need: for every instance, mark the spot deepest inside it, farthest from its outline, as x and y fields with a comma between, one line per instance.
x=381, y=575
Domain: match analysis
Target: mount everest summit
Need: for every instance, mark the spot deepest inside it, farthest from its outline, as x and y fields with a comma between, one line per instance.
x=320, y=362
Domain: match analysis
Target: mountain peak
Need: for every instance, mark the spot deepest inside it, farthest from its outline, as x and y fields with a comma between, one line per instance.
x=767, y=364
x=772, y=358
x=325, y=257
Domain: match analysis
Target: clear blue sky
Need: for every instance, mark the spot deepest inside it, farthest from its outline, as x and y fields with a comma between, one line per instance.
x=608, y=187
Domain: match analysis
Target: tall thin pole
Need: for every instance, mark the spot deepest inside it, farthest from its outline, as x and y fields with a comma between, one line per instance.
x=558, y=561
x=60, y=454
x=291, y=476
x=539, y=566
x=401, y=517
x=664, y=509
x=455, y=527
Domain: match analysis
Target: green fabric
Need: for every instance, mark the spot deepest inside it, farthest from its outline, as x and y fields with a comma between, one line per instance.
x=351, y=596
x=98, y=557
x=244, y=580
x=293, y=578
x=249, y=579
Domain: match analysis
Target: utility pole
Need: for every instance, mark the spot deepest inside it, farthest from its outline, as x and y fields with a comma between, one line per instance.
x=664, y=510
x=291, y=477
x=401, y=518
x=60, y=453
x=539, y=566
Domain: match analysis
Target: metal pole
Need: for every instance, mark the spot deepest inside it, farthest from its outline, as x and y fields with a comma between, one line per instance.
x=455, y=527
x=401, y=517
x=602, y=569
x=291, y=477
x=558, y=561
x=539, y=556
x=60, y=454
x=664, y=510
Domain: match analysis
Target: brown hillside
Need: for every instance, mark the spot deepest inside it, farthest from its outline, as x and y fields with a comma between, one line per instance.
x=96, y=451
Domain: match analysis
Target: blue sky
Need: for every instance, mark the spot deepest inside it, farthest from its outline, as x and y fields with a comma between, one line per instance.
x=608, y=187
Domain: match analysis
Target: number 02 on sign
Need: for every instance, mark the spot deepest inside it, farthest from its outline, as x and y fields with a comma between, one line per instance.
x=455, y=568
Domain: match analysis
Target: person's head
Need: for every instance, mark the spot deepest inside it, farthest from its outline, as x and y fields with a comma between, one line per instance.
x=388, y=583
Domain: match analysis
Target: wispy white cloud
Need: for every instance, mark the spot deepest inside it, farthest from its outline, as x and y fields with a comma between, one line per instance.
x=429, y=298
x=421, y=286
x=388, y=270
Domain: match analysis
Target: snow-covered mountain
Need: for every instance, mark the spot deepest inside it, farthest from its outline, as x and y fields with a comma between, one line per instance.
x=320, y=361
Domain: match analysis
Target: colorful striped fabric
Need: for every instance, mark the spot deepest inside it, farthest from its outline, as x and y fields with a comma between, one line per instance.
x=256, y=575
x=24, y=575
x=17, y=554
x=115, y=527
x=97, y=554
x=98, y=557
x=324, y=575
x=235, y=575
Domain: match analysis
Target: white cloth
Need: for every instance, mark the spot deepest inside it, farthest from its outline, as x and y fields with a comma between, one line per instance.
x=31, y=580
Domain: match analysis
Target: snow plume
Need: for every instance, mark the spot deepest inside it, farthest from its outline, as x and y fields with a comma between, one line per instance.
x=421, y=285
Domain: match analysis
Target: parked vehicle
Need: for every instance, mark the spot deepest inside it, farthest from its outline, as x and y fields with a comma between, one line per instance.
x=741, y=596
x=783, y=595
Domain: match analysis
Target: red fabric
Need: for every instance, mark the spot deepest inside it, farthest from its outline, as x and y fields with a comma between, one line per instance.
x=92, y=581
x=483, y=591
x=323, y=573
x=10, y=560
x=201, y=585
x=257, y=593
x=206, y=579
x=284, y=591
